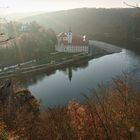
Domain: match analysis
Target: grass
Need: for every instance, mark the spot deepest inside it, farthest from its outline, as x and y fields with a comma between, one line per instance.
x=56, y=57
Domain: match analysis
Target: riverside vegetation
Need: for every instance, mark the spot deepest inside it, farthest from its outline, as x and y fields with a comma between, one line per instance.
x=109, y=114
x=110, y=25
x=35, y=44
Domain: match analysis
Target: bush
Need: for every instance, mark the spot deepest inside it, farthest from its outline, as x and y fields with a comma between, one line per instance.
x=109, y=114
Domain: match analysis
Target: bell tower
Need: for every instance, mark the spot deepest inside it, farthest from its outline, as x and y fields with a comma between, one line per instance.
x=69, y=36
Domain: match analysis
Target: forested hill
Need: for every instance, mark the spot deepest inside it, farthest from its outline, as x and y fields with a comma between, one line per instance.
x=91, y=21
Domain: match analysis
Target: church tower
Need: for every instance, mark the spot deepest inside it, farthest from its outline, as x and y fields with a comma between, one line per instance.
x=69, y=36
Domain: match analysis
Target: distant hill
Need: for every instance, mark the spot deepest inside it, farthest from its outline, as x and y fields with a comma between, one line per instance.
x=89, y=21
x=18, y=16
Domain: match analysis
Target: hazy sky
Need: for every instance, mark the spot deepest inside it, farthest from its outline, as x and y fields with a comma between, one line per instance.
x=55, y=5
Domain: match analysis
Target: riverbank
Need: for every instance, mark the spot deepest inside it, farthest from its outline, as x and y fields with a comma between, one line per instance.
x=110, y=48
x=133, y=45
x=73, y=59
x=61, y=60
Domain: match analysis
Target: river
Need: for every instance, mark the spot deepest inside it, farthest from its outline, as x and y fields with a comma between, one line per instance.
x=60, y=86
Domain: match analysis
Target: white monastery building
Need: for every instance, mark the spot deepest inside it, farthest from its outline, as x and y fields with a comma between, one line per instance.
x=67, y=42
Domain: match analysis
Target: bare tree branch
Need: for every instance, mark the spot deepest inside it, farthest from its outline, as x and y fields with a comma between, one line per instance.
x=134, y=6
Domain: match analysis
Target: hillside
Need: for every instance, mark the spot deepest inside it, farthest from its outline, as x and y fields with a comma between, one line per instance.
x=107, y=114
x=91, y=21
x=36, y=43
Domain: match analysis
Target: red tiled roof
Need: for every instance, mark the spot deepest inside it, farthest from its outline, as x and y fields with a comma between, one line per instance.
x=62, y=34
x=77, y=41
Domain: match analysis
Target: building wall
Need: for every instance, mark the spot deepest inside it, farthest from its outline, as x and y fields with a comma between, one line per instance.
x=60, y=47
x=69, y=37
x=72, y=49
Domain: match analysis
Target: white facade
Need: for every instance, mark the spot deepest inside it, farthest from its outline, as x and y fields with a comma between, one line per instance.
x=67, y=43
x=72, y=49
x=69, y=37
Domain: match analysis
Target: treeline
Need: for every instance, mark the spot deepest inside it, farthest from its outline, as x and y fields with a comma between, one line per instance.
x=108, y=114
x=35, y=43
x=118, y=23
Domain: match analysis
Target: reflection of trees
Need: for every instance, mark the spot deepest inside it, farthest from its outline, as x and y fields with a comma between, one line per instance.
x=64, y=70
x=68, y=70
x=80, y=64
x=35, y=77
x=84, y=65
x=70, y=73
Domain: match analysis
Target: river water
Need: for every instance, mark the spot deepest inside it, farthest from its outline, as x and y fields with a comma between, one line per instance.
x=60, y=86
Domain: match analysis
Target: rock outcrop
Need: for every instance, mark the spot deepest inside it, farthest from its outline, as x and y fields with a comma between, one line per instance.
x=17, y=99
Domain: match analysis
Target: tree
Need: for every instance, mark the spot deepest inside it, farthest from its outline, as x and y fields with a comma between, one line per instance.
x=136, y=21
x=2, y=42
x=134, y=6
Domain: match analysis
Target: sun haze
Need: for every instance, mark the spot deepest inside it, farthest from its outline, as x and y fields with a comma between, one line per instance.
x=16, y=6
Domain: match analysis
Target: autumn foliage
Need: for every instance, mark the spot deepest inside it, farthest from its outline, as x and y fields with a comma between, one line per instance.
x=108, y=114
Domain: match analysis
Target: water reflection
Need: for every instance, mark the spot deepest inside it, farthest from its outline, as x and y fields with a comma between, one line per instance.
x=36, y=77
x=57, y=87
x=70, y=73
